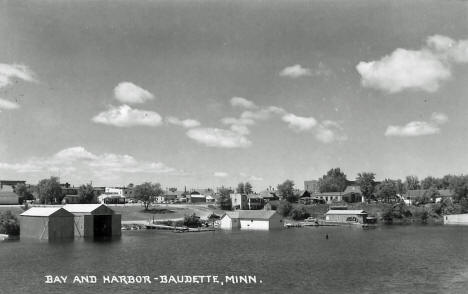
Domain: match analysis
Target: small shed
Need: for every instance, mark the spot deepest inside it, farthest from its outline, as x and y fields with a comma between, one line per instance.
x=52, y=223
x=94, y=220
x=251, y=220
x=346, y=216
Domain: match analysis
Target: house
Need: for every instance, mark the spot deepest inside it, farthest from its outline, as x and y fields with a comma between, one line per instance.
x=107, y=198
x=311, y=186
x=268, y=195
x=329, y=197
x=353, y=194
x=456, y=219
x=71, y=199
x=346, y=216
x=239, y=201
x=255, y=202
x=47, y=223
x=411, y=196
x=251, y=220
x=195, y=198
x=94, y=220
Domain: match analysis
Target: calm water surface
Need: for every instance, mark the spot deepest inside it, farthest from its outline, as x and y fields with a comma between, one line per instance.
x=395, y=259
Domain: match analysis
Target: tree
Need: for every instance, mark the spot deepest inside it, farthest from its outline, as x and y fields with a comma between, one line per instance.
x=86, y=193
x=248, y=189
x=49, y=191
x=192, y=221
x=412, y=183
x=147, y=192
x=284, y=208
x=459, y=186
x=367, y=184
x=173, y=189
x=299, y=213
x=224, y=200
x=333, y=181
x=386, y=190
x=240, y=188
x=431, y=182
x=286, y=191
x=23, y=192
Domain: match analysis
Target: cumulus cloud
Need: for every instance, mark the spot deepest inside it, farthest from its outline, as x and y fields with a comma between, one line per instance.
x=220, y=174
x=424, y=69
x=242, y=102
x=326, y=131
x=130, y=93
x=125, y=116
x=295, y=71
x=214, y=137
x=9, y=72
x=186, y=123
x=76, y=158
x=6, y=104
x=418, y=128
x=299, y=123
x=439, y=118
x=404, y=69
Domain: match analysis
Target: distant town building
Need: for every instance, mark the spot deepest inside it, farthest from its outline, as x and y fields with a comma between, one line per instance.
x=311, y=186
x=411, y=196
x=456, y=219
x=251, y=220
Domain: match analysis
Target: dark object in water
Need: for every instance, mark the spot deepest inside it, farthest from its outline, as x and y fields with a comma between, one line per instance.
x=326, y=237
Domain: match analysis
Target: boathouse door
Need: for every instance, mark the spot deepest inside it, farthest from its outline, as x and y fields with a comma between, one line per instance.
x=102, y=226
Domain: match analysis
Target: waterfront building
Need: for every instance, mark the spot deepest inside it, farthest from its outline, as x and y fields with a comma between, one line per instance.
x=346, y=216
x=411, y=196
x=251, y=220
x=94, y=220
x=456, y=219
x=47, y=223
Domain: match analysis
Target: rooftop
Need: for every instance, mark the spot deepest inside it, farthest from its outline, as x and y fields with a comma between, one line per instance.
x=251, y=214
x=346, y=212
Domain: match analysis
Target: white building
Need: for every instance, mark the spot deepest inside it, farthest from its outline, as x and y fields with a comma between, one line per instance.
x=118, y=191
x=456, y=219
x=251, y=220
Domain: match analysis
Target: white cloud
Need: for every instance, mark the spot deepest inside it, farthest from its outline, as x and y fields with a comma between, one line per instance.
x=412, y=129
x=130, y=93
x=439, y=118
x=242, y=102
x=423, y=69
x=214, y=137
x=255, y=178
x=299, y=123
x=8, y=72
x=125, y=116
x=295, y=71
x=220, y=174
x=78, y=158
x=404, y=69
x=5, y=104
x=418, y=128
x=186, y=123
x=329, y=131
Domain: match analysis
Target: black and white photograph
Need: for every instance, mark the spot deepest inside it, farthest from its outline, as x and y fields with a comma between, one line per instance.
x=234, y=146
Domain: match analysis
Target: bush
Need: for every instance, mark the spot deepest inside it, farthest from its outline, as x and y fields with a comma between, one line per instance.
x=284, y=208
x=424, y=216
x=9, y=224
x=299, y=213
x=192, y=221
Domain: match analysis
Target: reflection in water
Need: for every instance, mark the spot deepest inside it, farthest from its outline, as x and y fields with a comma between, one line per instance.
x=395, y=259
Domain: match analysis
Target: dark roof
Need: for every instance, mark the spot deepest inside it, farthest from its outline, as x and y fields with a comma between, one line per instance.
x=352, y=189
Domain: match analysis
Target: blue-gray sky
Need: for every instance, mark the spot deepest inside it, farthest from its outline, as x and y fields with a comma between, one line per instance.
x=210, y=93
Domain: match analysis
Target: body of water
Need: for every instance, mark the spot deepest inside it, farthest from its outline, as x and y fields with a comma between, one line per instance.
x=391, y=259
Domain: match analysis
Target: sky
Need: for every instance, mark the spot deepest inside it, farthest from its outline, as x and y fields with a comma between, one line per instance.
x=210, y=93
